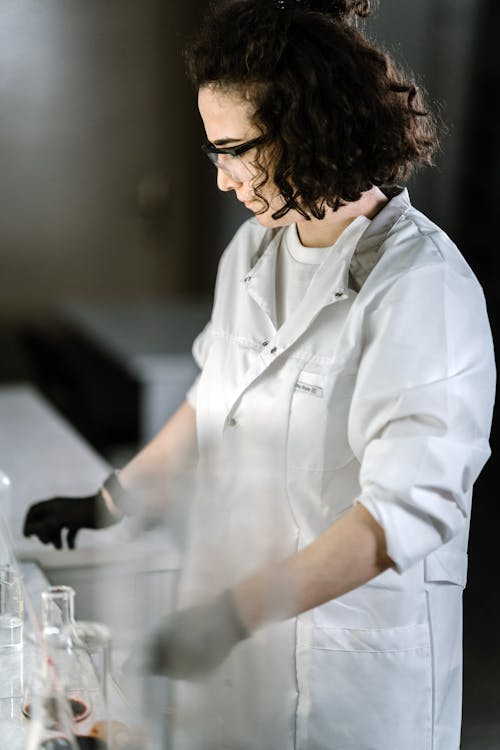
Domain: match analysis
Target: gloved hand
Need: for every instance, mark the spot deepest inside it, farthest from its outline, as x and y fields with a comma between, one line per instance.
x=48, y=518
x=196, y=640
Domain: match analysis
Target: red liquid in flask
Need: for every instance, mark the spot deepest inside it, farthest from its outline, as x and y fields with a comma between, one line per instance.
x=79, y=711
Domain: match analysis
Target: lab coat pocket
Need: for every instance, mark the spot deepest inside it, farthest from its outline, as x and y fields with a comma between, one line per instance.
x=371, y=689
x=446, y=566
x=319, y=410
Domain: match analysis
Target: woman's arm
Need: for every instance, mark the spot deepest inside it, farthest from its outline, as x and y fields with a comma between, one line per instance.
x=195, y=640
x=348, y=554
x=169, y=455
x=151, y=480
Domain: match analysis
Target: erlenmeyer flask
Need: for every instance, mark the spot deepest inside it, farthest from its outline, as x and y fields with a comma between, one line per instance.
x=72, y=661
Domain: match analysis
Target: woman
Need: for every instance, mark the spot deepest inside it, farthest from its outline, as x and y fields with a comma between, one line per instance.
x=342, y=412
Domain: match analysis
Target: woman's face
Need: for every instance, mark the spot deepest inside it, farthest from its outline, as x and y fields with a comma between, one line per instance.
x=226, y=116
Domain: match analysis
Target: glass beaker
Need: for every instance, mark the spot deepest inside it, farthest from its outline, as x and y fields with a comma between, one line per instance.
x=11, y=643
x=6, y=520
x=11, y=609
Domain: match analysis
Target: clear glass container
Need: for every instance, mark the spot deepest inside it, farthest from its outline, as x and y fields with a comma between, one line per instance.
x=50, y=726
x=72, y=662
x=11, y=644
x=6, y=520
x=96, y=638
x=11, y=609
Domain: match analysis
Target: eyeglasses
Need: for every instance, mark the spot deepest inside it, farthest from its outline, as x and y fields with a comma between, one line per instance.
x=228, y=159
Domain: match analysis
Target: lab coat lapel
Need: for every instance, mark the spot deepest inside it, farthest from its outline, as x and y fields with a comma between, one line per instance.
x=329, y=286
x=260, y=282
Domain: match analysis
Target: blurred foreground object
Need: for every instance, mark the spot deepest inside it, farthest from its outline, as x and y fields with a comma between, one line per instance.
x=118, y=735
x=50, y=719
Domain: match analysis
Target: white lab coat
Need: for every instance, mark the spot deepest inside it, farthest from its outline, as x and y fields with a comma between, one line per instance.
x=378, y=389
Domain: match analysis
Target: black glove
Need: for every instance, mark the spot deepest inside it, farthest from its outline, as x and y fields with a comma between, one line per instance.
x=48, y=518
x=194, y=641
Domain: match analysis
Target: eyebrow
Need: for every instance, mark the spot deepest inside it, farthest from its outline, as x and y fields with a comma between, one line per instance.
x=225, y=141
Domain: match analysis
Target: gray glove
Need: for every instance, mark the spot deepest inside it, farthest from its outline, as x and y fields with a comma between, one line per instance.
x=194, y=641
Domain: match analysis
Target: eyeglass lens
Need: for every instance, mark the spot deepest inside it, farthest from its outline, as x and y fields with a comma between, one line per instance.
x=233, y=166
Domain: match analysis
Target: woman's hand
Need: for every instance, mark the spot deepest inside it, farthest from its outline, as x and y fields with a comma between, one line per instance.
x=193, y=641
x=47, y=518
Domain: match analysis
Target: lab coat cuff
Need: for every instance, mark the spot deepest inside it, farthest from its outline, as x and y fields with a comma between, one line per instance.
x=121, y=499
x=409, y=534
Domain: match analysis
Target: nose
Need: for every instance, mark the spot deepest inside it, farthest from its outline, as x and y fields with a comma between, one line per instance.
x=226, y=181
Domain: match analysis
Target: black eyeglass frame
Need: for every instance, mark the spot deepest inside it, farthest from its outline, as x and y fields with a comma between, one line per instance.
x=210, y=150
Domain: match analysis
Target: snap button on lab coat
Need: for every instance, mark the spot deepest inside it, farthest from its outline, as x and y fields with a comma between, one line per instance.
x=231, y=422
x=339, y=293
x=265, y=343
x=273, y=350
x=247, y=279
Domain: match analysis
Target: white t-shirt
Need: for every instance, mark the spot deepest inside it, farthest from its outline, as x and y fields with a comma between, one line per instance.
x=295, y=268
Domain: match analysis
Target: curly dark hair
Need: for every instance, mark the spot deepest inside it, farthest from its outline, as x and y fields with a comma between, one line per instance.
x=340, y=115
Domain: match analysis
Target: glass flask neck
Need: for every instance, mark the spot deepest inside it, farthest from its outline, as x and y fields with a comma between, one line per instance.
x=58, y=608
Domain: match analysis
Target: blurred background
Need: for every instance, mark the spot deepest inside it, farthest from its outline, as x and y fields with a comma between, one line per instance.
x=111, y=224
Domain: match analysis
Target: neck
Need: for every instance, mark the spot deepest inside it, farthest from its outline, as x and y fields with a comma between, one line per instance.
x=325, y=232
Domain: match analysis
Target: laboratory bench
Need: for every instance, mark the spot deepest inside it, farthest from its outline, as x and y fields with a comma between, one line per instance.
x=123, y=576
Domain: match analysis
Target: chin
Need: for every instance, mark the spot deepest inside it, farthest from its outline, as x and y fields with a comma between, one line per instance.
x=266, y=220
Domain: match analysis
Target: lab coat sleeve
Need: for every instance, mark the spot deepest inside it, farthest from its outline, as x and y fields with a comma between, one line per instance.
x=203, y=342
x=422, y=406
x=200, y=349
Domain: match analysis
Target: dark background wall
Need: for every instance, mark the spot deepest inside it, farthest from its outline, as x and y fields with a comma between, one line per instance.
x=103, y=190
x=104, y=194
x=96, y=148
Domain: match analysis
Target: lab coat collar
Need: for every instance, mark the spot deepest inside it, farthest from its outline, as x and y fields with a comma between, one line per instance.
x=399, y=202
x=359, y=248
x=360, y=245
x=367, y=251
x=260, y=281
x=329, y=285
